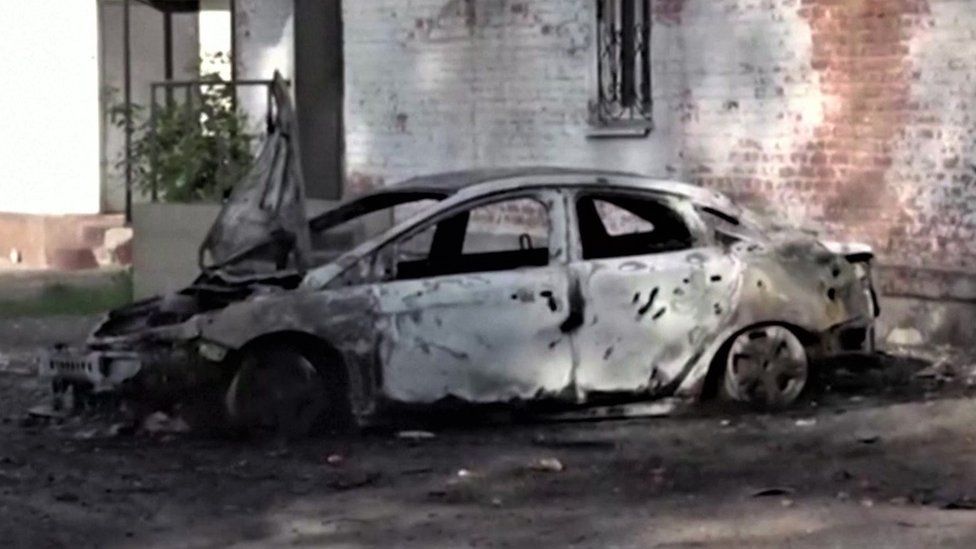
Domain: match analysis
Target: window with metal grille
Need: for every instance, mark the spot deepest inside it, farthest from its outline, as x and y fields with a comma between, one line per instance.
x=623, y=96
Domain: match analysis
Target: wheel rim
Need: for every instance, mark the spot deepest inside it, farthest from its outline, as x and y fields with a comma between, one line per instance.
x=766, y=365
x=279, y=393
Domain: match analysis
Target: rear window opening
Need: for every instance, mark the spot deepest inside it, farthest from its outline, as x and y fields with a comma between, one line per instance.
x=616, y=225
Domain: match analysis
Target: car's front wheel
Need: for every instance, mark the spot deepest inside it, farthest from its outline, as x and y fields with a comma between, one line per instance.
x=281, y=391
x=766, y=366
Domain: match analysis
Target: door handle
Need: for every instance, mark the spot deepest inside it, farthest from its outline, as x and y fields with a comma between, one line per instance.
x=576, y=308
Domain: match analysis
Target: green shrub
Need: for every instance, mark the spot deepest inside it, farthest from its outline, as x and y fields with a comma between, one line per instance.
x=200, y=148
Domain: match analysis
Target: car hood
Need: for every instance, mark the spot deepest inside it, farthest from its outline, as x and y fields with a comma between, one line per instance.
x=263, y=226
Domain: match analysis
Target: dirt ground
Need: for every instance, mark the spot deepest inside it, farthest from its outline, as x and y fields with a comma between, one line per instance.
x=883, y=458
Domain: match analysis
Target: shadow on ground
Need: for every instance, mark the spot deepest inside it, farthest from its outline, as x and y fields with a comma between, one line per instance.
x=877, y=458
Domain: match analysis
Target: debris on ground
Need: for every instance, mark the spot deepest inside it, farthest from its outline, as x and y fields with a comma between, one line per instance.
x=67, y=497
x=416, y=436
x=162, y=423
x=941, y=371
x=548, y=465
x=867, y=438
x=351, y=482
x=842, y=475
x=773, y=491
x=87, y=434
x=905, y=337
x=46, y=411
x=962, y=503
x=573, y=443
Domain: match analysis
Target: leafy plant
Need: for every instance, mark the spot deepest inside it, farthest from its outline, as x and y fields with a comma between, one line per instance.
x=194, y=147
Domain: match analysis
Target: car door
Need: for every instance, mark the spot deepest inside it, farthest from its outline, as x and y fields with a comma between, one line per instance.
x=654, y=288
x=475, y=301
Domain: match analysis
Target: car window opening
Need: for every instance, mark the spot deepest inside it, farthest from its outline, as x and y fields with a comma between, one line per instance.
x=622, y=226
x=507, y=235
x=339, y=230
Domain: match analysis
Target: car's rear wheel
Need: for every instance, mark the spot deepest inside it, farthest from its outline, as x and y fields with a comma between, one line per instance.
x=283, y=392
x=766, y=366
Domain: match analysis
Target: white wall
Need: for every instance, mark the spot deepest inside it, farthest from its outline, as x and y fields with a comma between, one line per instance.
x=265, y=43
x=49, y=107
x=215, y=38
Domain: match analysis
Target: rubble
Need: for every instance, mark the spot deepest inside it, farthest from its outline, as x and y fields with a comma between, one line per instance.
x=162, y=423
x=962, y=503
x=867, y=438
x=416, y=436
x=547, y=465
x=773, y=491
x=905, y=337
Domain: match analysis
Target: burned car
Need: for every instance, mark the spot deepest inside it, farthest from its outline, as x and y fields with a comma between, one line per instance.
x=497, y=286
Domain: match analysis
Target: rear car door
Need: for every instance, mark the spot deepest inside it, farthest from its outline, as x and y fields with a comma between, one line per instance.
x=655, y=289
x=474, y=301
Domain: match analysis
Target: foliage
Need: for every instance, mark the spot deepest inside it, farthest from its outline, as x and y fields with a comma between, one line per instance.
x=200, y=147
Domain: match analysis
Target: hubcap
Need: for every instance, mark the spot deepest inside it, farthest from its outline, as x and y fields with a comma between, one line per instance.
x=766, y=366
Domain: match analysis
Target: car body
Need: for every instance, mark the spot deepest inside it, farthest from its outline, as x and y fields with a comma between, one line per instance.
x=515, y=285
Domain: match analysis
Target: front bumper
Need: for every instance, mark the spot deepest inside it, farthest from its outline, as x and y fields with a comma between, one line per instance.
x=94, y=371
x=161, y=375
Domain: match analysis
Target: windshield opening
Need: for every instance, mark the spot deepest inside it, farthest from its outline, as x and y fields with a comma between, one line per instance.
x=342, y=229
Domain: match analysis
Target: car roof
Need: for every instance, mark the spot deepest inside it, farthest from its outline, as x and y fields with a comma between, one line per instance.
x=454, y=181
x=500, y=179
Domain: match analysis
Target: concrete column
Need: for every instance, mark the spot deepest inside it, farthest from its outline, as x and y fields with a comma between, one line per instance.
x=319, y=91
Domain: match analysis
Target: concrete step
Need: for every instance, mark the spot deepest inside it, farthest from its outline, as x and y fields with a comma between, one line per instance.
x=92, y=231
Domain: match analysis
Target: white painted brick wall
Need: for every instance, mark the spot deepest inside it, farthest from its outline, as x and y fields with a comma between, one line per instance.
x=513, y=89
x=853, y=117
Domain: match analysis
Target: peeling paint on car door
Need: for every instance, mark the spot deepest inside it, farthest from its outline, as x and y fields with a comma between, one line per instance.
x=487, y=337
x=655, y=290
x=480, y=336
x=647, y=317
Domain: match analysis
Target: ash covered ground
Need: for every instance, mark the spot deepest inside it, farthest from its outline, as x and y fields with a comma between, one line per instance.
x=882, y=456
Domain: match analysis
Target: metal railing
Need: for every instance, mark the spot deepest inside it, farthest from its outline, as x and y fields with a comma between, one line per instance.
x=191, y=91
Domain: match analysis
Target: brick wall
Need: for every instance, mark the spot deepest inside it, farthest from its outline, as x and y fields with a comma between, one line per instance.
x=856, y=117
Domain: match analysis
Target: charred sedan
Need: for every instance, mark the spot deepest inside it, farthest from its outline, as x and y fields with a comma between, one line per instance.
x=517, y=285
x=520, y=285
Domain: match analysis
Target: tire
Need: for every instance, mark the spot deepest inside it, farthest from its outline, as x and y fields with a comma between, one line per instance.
x=283, y=392
x=765, y=366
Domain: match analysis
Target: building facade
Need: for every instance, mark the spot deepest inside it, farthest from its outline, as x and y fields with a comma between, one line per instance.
x=63, y=184
x=852, y=117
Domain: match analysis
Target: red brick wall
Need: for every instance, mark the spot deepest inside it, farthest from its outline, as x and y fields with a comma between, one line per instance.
x=862, y=53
